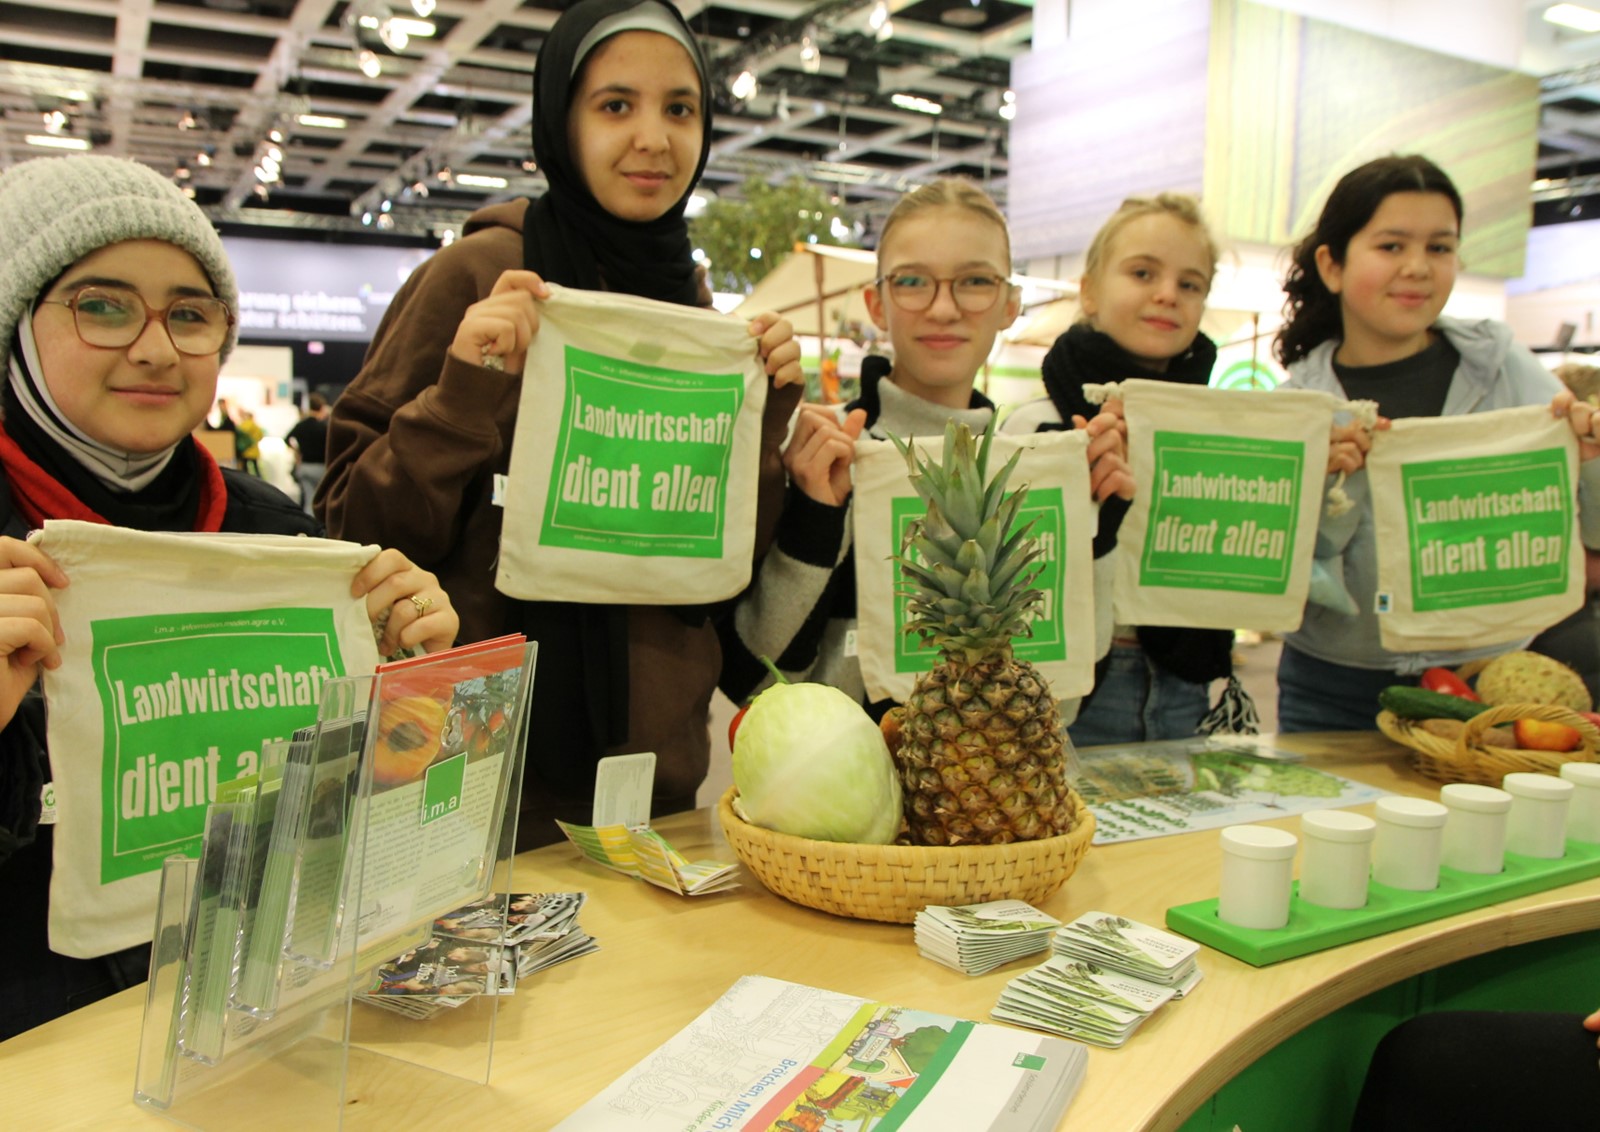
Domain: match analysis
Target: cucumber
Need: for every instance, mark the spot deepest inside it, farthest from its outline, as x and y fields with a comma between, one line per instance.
x=1419, y=703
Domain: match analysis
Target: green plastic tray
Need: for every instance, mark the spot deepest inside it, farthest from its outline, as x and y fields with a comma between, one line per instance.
x=1312, y=927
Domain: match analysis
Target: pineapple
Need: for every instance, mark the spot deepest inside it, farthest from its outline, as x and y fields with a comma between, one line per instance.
x=981, y=750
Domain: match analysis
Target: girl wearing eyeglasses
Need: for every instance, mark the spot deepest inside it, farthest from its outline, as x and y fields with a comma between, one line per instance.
x=1145, y=280
x=116, y=303
x=943, y=294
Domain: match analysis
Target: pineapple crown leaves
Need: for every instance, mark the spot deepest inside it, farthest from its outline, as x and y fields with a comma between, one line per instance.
x=969, y=580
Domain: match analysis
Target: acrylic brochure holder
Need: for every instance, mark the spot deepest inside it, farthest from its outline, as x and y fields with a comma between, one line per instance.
x=315, y=880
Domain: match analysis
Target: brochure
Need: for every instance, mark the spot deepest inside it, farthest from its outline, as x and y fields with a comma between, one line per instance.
x=772, y=1055
x=1144, y=790
x=445, y=726
x=644, y=853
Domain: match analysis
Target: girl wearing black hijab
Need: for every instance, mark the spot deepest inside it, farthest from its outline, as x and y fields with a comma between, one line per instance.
x=621, y=130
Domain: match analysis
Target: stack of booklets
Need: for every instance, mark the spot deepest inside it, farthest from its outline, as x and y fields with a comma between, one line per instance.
x=976, y=938
x=1107, y=975
x=775, y=1055
x=482, y=948
x=1131, y=948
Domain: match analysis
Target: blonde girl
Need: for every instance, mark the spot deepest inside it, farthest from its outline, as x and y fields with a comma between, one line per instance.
x=942, y=295
x=1145, y=280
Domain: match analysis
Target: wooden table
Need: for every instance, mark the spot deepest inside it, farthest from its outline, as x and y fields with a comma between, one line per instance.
x=574, y=1028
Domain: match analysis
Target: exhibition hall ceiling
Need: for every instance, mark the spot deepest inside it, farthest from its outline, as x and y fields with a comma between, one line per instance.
x=439, y=123
x=198, y=86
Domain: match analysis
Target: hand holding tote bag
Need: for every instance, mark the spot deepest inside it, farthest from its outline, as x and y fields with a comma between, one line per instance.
x=635, y=462
x=184, y=653
x=1229, y=490
x=1475, y=519
x=1054, y=467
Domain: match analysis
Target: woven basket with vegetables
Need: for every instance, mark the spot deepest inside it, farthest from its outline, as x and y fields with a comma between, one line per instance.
x=968, y=778
x=1518, y=712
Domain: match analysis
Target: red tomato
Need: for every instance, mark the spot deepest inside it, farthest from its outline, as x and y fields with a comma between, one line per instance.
x=1537, y=735
x=1447, y=682
x=733, y=724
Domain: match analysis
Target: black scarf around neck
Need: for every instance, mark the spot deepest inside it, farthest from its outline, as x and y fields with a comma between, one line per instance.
x=1086, y=356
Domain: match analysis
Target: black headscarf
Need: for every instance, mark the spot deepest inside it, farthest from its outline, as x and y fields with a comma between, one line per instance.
x=568, y=237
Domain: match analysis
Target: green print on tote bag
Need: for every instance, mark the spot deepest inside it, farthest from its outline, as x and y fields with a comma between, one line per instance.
x=1486, y=531
x=636, y=460
x=1054, y=468
x=1475, y=523
x=1046, y=510
x=176, y=722
x=641, y=460
x=1223, y=512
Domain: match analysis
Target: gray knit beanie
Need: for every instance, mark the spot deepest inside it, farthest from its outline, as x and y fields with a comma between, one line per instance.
x=56, y=210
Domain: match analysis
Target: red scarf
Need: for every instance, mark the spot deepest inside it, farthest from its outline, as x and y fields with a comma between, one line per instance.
x=39, y=496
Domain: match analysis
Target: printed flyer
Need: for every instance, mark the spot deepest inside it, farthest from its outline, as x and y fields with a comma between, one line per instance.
x=772, y=1056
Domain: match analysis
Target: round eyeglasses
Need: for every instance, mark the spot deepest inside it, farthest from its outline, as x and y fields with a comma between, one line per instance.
x=973, y=293
x=114, y=317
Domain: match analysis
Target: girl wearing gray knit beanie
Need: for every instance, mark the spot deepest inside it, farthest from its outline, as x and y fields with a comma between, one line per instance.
x=116, y=311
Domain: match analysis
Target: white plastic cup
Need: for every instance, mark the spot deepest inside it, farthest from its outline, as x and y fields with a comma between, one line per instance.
x=1537, y=826
x=1583, y=814
x=1257, y=869
x=1405, y=852
x=1337, y=858
x=1475, y=835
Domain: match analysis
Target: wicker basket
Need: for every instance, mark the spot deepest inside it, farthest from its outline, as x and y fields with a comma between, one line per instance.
x=895, y=882
x=1468, y=759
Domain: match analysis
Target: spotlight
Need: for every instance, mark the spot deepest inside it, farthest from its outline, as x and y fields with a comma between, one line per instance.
x=810, y=57
x=423, y=8
x=368, y=61
x=393, y=35
x=744, y=86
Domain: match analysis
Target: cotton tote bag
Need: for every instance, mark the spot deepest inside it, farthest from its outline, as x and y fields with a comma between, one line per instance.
x=1055, y=470
x=184, y=653
x=1476, y=524
x=1228, y=493
x=634, y=466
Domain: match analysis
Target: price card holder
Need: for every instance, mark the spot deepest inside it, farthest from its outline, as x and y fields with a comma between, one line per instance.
x=400, y=805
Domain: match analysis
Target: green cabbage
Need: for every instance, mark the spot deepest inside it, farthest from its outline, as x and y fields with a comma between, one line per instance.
x=809, y=761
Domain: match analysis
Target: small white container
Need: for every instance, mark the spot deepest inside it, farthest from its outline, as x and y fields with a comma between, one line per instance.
x=1337, y=859
x=1257, y=869
x=1537, y=826
x=1405, y=853
x=1583, y=814
x=1475, y=835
